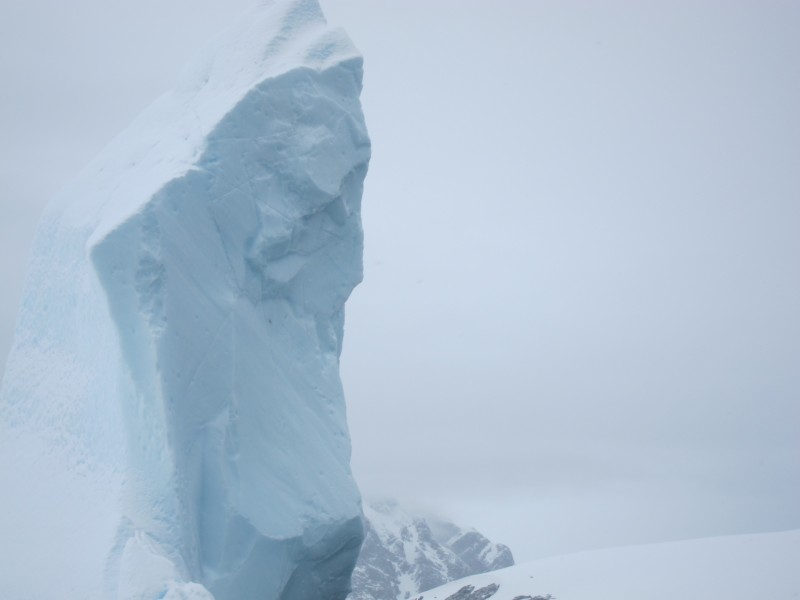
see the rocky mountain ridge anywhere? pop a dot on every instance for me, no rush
(405, 554)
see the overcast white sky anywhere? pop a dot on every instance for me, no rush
(580, 323)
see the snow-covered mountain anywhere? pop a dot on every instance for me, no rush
(740, 567)
(404, 554)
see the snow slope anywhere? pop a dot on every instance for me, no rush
(172, 423)
(741, 567)
(405, 553)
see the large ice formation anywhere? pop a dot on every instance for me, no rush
(172, 423)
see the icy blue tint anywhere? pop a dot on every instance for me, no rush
(177, 356)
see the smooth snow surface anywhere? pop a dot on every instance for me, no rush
(172, 423)
(740, 567)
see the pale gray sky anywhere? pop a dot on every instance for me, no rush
(580, 323)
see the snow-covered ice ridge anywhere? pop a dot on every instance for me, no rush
(736, 567)
(172, 422)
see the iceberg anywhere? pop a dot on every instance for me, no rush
(172, 421)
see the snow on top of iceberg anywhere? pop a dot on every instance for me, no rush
(167, 139)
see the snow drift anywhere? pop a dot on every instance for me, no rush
(736, 567)
(172, 423)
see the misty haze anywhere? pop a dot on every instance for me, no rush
(572, 367)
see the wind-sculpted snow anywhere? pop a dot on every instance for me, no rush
(173, 423)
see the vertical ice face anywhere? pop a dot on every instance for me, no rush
(175, 367)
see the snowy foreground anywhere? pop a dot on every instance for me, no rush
(742, 567)
(172, 422)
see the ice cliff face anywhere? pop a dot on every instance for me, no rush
(172, 423)
(404, 554)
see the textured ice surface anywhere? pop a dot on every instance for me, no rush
(172, 423)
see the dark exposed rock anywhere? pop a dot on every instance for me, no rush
(404, 555)
(479, 554)
(468, 592)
